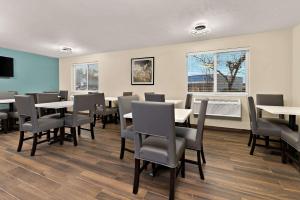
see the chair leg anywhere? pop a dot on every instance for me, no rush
(55, 133)
(253, 145)
(183, 165)
(153, 169)
(40, 135)
(34, 144)
(250, 139)
(200, 165)
(21, 139)
(73, 132)
(116, 118)
(202, 155)
(136, 176)
(62, 135)
(103, 121)
(79, 130)
(95, 117)
(189, 122)
(122, 148)
(5, 125)
(92, 131)
(172, 183)
(267, 141)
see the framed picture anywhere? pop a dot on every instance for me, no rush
(142, 71)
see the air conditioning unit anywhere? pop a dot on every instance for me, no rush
(224, 108)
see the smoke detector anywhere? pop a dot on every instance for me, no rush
(66, 50)
(199, 30)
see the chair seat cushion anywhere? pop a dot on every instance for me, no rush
(291, 137)
(266, 128)
(75, 120)
(277, 121)
(155, 149)
(3, 115)
(108, 111)
(13, 115)
(190, 135)
(44, 124)
(55, 116)
(128, 133)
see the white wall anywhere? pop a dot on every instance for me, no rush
(270, 68)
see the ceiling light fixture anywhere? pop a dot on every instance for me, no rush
(200, 30)
(66, 50)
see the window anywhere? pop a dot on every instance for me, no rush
(86, 77)
(218, 72)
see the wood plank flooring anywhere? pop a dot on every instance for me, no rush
(93, 170)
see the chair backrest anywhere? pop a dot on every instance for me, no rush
(155, 97)
(63, 95)
(127, 93)
(188, 101)
(252, 113)
(26, 109)
(125, 107)
(269, 100)
(47, 97)
(84, 102)
(201, 122)
(156, 120)
(34, 95)
(99, 100)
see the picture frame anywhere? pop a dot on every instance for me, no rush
(142, 71)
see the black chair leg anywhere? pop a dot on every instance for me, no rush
(122, 148)
(172, 183)
(253, 145)
(92, 131)
(250, 139)
(40, 134)
(200, 165)
(73, 132)
(95, 117)
(21, 139)
(136, 176)
(79, 130)
(104, 121)
(48, 135)
(202, 155)
(62, 135)
(153, 169)
(183, 165)
(267, 141)
(189, 122)
(5, 125)
(34, 144)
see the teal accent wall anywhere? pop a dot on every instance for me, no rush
(32, 73)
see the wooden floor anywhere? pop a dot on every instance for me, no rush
(93, 170)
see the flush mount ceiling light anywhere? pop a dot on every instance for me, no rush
(199, 30)
(66, 50)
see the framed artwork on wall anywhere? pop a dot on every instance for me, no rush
(142, 71)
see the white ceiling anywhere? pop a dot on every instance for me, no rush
(89, 26)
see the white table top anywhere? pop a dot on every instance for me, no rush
(55, 105)
(3, 101)
(280, 110)
(175, 102)
(180, 115)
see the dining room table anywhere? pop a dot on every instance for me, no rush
(10, 102)
(292, 112)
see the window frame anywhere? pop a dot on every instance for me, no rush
(74, 77)
(215, 90)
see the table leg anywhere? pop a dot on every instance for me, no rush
(292, 122)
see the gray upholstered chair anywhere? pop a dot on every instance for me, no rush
(154, 97)
(82, 103)
(102, 110)
(127, 131)
(127, 93)
(4, 121)
(47, 98)
(194, 137)
(156, 120)
(28, 121)
(63, 95)
(12, 110)
(260, 127)
(289, 139)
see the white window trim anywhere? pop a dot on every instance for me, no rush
(73, 78)
(215, 93)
